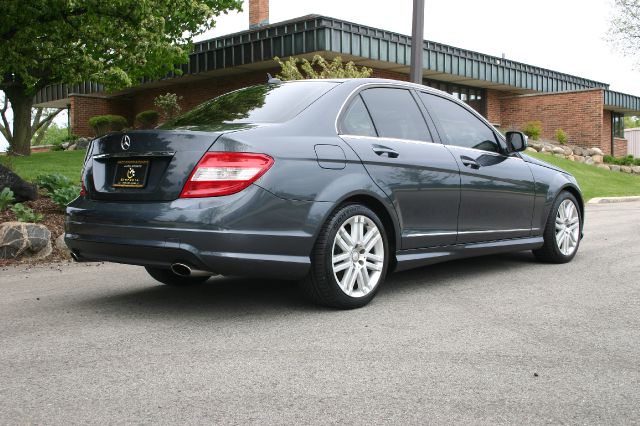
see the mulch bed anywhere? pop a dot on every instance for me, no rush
(53, 219)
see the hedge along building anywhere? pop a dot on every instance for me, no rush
(507, 93)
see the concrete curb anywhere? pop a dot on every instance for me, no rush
(606, 200)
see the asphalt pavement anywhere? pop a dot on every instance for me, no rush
(493, 340)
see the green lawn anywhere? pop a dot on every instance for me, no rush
(593, 181)
(596, 182)
(68, 163)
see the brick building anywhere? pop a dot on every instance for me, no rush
(507, 93)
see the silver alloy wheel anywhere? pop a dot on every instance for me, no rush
(358, 256)
(567, 227)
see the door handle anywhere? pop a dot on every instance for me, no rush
(469, 162)
(383, 150)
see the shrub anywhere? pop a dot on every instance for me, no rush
(147, 119)
(25, 214)
(622, 161)
(51, 182)
(6, 198)
(63, 196)
(561, 136)
(319, 67)
(102, 124)
(168, 104)
(533, 129)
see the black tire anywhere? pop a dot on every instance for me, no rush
(550, 252)
(166, 276)
(321, 285)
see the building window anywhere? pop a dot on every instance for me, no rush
(472, 96)
(617, 125)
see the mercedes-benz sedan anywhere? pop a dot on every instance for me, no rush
(334, 183)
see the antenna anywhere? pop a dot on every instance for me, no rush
(272, 80)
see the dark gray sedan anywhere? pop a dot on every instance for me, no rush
(331, 182)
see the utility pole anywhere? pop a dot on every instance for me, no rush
(417, 36)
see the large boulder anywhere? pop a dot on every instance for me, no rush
(19, 239)
(22, 191)
(595, 151)
(598, 159)
(636, 169)
(614, 168)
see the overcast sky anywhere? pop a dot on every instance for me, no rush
(562, 35)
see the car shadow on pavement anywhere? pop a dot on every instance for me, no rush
(230, 296)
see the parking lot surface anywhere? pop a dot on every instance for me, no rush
(498, 339)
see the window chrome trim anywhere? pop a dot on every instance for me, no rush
(378, 138)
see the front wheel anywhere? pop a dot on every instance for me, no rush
(562, 231)
(350, 258)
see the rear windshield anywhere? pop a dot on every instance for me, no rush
(268, 103)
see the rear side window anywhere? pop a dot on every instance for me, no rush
(460, 126)
(396, 114)
(357, 121)
(268, 103)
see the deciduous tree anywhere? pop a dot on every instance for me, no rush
(115, 42)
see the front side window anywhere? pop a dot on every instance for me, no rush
(460, 126)
(396, 114)
(356, 120)
(267, 103)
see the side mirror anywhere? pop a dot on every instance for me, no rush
(517, 141)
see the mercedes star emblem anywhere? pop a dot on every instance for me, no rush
(125, 142)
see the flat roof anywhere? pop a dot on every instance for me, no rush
(254, 49)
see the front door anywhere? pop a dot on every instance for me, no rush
(497, 189)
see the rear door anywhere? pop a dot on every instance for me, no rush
(386, 128)
(144, 165)
(498, 189)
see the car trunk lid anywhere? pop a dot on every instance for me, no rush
(144, 165)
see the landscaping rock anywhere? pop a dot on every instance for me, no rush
(82, 143)
(589, 160)
(18, 239)
(598, 159)
(568, 151)
(65, 145)
(625, 169)
(603, 166)
(595, 151)
(71, 147)
(636, 169)
(530, 149)
(22, 191)
(571, 157)
(578, 151)
(614, 168)
(558, 150)
(536, 146)
(579, 158)
(62, 247)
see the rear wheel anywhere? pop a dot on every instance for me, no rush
(562, 231)
(350, 258)
(166, 276)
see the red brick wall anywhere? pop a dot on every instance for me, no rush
(258, 12)
(85, 107)
(579, 114)
(620, 147)
(606, 132)
(494, 106)
(377, 73)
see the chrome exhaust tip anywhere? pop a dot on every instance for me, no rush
(183, 270)
(76, 257)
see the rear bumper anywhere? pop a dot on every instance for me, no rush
(253, 233)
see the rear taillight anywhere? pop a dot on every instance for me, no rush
(83, 190)
(225, 173)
